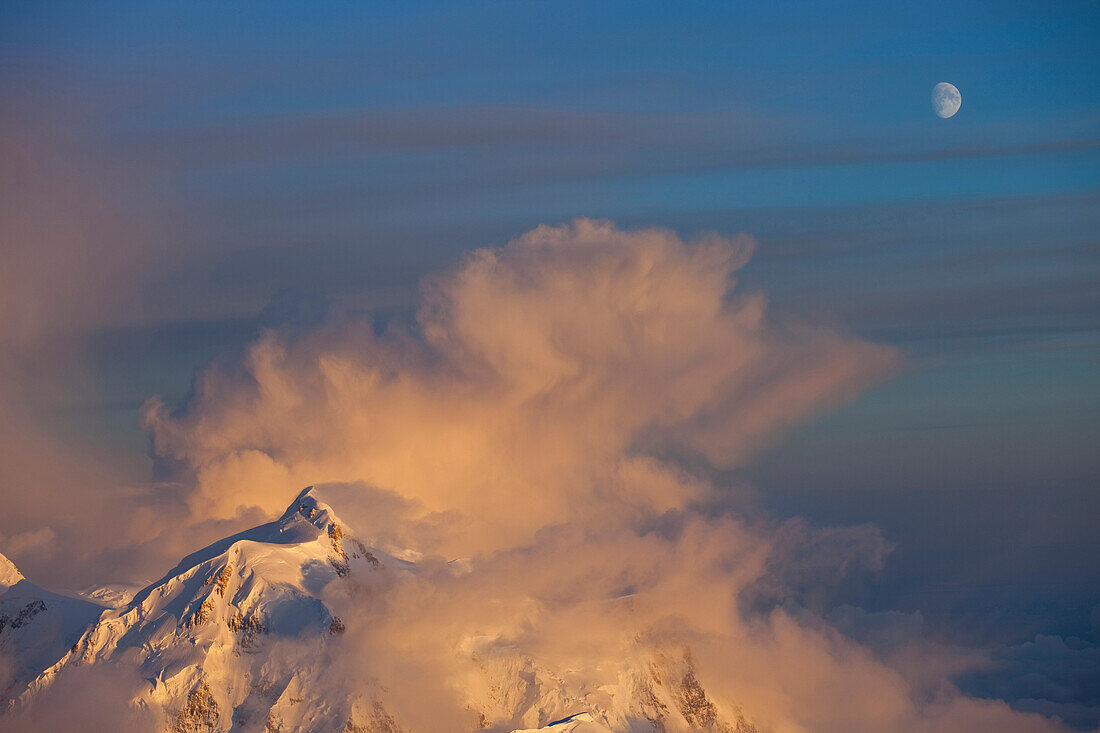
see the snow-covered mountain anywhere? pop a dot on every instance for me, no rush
(208, 636)
(241, 636)
(37, 627)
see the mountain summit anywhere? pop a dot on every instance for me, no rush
(207, 637)
(9, 574)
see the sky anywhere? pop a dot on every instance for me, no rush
(179, 177)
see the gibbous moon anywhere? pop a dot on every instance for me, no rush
(946, 99)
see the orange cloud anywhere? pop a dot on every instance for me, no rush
(545, 420)
(544, 381)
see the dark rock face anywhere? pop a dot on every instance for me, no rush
(692, 700)
(670, 696)
(339, 561)
(25, 614)
(248, 628)
(364, 552)
(377, 721)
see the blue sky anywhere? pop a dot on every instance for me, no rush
(260, 151)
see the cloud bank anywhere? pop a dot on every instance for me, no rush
(555, 417)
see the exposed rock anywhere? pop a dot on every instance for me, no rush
(248, 627)
(365, 553)
(201, 712)
(648, 705)
(340, 559)
(25, 614)
(335, 534)
(221, 579)
(377, 721)
(89, 642)
(202, 615)
(692, 700)
(669, 696)
(273, 724)
(743, 725)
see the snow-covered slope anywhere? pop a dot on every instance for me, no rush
(9, 574)
(112, 595)
(36, 627)
(231, 636)
(241, 636)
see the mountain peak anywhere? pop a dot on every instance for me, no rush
(239, 609)
(249, 632)
(9, 574)
(309, 507)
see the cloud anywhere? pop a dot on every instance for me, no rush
(806, 564)
(554, 417)
(74, 246)
(32, 539)
(580, 618)
(516, 144)
(543, 382)
(87, 698)
(1052, 675)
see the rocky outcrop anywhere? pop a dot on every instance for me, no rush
(247, 627)
(202, 615)
(221, 580)
(23, 616)
(200, 714)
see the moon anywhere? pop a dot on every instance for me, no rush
(946, 99)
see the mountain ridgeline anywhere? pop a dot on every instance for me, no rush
(243, 636)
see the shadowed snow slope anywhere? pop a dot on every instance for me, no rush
(580, 723)
(36, 627)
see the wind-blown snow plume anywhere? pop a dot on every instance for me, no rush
(540, 442)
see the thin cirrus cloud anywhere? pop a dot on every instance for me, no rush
(567, 144)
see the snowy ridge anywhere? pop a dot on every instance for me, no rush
(36, 627)
(239, 636)
(204, 635)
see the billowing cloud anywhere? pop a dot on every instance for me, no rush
(545, 381)
(1051, 675)
(606, 620)
(554, 418)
